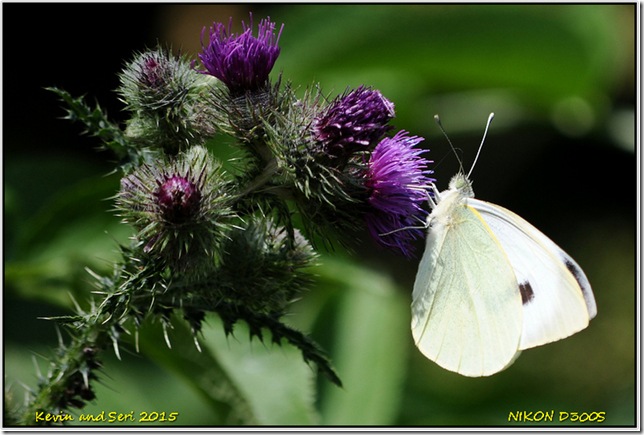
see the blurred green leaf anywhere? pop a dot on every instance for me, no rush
(244, 382)
(54, 246)
(531, 59)
(201, 370)
(369, 346)
(80, 206)
(275, 381)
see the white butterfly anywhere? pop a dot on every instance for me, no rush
(490, 285)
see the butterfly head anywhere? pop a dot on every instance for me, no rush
(462, 185)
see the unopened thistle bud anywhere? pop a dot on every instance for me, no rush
(168, 100)
(180, 209)
(154, 80)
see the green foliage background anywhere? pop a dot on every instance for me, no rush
(562, 84)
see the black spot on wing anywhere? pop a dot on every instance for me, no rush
(577, 273)
(527, 294)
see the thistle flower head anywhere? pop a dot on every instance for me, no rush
(396, 179)
(242, 62)
(353, 121)
(179, 208)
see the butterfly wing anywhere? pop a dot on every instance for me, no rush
(557, 298)
(466, 310)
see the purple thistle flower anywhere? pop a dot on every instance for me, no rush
(243, 61)
(353, 121)
(396, 179)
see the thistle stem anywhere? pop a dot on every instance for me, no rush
(267, 173)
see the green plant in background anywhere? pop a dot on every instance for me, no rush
(210, 241)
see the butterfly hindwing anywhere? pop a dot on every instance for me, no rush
(466, 311)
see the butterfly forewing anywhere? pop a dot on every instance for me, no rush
(557, 298)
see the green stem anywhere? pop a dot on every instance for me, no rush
(267, 173)
(67, 384)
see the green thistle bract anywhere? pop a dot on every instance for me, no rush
(263, 269)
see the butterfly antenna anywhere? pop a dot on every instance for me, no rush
(440, 125)
(487, 126)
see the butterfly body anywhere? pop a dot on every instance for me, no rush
(490, 285)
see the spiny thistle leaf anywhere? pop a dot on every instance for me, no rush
(98, 125)
(311, 351)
